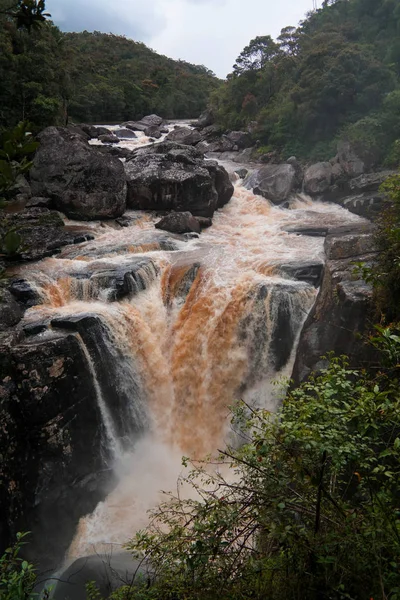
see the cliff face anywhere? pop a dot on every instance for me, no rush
(53, 468)
(342, 311)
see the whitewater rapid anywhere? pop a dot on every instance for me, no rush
(201, 333)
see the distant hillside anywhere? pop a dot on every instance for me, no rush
(47, 75)
(336, 75)
(113, 78)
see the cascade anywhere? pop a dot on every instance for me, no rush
(176, 331)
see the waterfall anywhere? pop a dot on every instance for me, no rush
(176, 331)
(112, 442)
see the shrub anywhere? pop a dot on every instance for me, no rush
(307, 508)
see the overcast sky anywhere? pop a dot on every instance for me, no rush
(208, 32)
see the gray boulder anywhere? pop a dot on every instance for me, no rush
(125, 133)
(241, 173)
(41, 231)
(342, 312)
(351, 164)
(135, 125)
(179, 222)
(110, 138)
(153, 131)
(184, 135)
(108, 572)
(10, 310)
(369, 182)
(82, 182)
(224, 144)
(93, 131)
(274, 182)
(241, 139)
(205, 119)
(170, 176)
(152, 120)
(318, 178)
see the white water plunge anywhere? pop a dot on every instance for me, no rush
(212, 320)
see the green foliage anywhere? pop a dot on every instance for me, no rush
(307, 508)
(30, 14)
(385, 274)
(335, 75)
(16, 148)
(47, 75)
(17, 576)
(113, 79)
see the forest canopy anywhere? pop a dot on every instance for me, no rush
(48, 76)
(335, 75)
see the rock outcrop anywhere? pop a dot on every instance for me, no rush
(274, 182)
(343, 307)
(170, 176)
(56, 443)
(41, 232)
(349, 161)
(81, 181)
(241, 139)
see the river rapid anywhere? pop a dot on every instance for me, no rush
(214, 319)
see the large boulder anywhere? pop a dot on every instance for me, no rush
(184, 135)
(241, 139)
(274, 182)
(94, 131)
(124, 133)
(152, 120)
(352, 164)
(179, 222)
(170, 176)
(223, 144)
(143, 124)
(135, 125)
(82, 182)
(206, 118)
(318, 178)
(110, 138)
(153, 131)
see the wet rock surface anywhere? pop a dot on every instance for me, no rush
(82, 182)
(341, 314)
(184, 135)
(179, 222)
(51, 475)
(171, 176)
(41, 232)
(274, 182)
(318, 178)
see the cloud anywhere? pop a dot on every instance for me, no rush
(137, 19)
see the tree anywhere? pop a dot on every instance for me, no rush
(256, 55)
(289, 40)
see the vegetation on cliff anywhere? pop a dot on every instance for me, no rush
(335, 76)
(47, 76)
